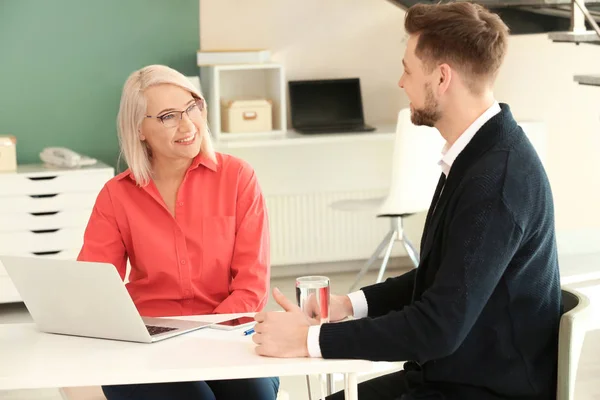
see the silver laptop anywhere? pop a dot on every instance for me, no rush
(86, 299)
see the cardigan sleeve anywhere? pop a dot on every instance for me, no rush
(391, 295)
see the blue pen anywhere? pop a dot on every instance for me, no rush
(249, 332)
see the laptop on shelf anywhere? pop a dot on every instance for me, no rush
(327, 106)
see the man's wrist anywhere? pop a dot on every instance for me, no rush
(349, 309)
(306, 353)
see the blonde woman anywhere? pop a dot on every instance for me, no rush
(192, 223)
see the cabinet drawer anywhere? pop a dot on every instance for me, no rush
(53, 182)
(38, 221)
(27, 242)
(47, 203)
(70, 254)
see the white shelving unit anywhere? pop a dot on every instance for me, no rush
(244, 81)
(384, 132)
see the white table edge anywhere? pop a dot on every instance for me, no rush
(282, 367)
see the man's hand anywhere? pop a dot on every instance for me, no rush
(282, 334)
(340, 307)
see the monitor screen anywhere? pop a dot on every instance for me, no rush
(325, 102)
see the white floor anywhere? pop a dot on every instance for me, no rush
(588, 381)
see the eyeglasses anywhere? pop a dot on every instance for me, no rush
(173, 118)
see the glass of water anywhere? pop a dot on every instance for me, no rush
(312, 296)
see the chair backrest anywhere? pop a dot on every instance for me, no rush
(573, 326)
(415, 168)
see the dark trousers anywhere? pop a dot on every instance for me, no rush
(389, 387)
(248, 389)
(386, 387)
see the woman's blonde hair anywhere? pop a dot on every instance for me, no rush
(132, 112)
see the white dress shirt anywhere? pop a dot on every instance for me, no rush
(449, 154)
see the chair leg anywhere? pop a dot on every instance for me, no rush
(576, 345)
(386, 257)
(330, 384)
(410, 249)
(308, 387)
(371, 260)
(398, 225)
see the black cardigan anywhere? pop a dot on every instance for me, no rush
(480, 315)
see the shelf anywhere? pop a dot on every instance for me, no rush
(575, 37)
(244, 81)
(226, 136)
(385, 132)
(592, 80)
(244, 67)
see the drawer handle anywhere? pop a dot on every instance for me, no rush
(46, 253)
(41, 178)
(45, 231)
(249, 115)
(42, 196)
(43, 214)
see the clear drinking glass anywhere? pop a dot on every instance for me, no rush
(312, 296)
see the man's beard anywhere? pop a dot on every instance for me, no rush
(429, 114)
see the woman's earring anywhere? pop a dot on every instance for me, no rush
(142, 138)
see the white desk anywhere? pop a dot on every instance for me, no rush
(31, 359)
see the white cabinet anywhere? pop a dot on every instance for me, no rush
(44, 212)
(243, 82)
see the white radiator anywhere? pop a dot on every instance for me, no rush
(305, 229)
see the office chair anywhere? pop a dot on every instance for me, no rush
(571, 334)
(415, 172)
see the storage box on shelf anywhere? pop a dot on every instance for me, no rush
(44, 212)
(239, 116)
(243, 82)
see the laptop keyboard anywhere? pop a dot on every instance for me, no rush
(157, 330)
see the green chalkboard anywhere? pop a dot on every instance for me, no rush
(63, 64)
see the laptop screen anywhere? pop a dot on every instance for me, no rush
(325, 102)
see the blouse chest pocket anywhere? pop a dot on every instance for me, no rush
(218, 239)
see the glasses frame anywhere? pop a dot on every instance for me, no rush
(199, 102)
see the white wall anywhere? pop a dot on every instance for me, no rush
(537, 81)
(318, 39)
(365, 38)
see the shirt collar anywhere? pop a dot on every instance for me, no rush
(200, 159)
(450, 153)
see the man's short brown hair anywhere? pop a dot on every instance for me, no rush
(464, 35)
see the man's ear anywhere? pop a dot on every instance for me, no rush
(445, 77)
